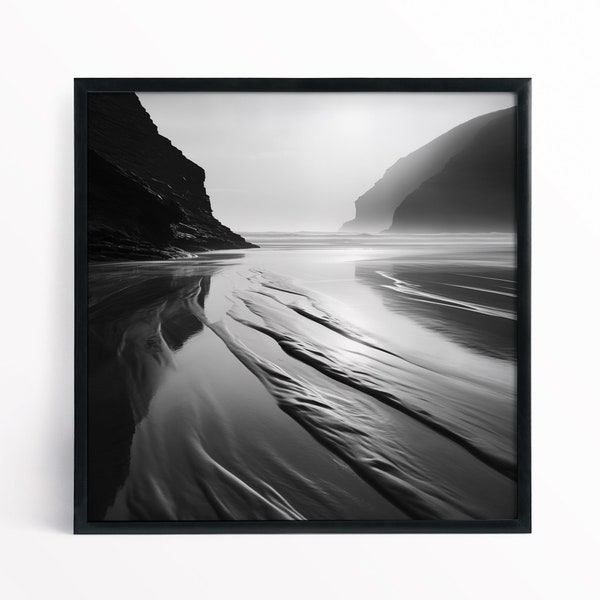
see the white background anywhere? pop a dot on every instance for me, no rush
(46, 44)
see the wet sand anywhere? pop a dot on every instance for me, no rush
(313, 378)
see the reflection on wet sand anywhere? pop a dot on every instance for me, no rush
(138, 318)
(220, 389)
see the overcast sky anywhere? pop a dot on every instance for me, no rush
(298, 161)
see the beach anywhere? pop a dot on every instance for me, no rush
(319, 376)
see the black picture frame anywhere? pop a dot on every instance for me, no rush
(521, 87)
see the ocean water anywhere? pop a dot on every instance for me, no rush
(320, 376)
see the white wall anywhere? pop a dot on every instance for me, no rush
(46, 44)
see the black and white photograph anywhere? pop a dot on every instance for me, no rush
(302, 306)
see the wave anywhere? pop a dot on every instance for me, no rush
(420, 295)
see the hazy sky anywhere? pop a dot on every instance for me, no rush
(298, 161)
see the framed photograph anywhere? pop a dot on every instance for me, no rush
(302, 305)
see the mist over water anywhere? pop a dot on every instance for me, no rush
(320, 376)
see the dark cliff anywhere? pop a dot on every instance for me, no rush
(146, 200)
(376, 209)
(476, 189)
